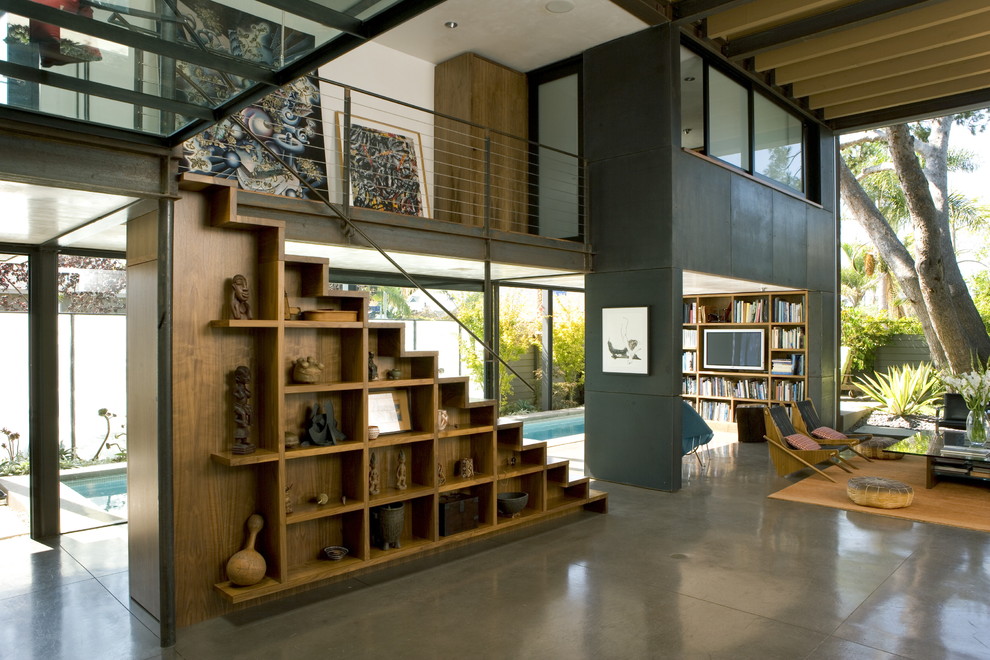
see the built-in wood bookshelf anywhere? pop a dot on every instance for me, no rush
(782, 375)
(283, 483)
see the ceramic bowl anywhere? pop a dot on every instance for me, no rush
(511, 503)
(334, 552)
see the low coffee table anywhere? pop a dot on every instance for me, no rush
(948, 455)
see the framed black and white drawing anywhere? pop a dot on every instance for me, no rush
(624, 340)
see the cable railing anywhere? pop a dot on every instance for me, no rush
(367, 151)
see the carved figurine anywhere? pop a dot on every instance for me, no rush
(307, 370)
(372, 367)
(374, 481)
(288, 499)
(242, 411)
(240, 304)
(443, 418)
(400, 472)
(441, 479)
(467, 468)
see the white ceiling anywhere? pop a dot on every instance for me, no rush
(520, 34)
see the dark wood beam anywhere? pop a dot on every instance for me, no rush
(689, 11)
(819, 25)
(651, 12)
(975, 100)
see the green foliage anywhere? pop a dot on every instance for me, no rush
(568, 355)
(519, 332)
(979, 287)
(904, 390)
(863, 333)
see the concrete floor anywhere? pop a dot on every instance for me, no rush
(713, 571)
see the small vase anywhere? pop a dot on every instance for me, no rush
(977, 426)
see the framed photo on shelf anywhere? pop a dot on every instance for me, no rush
(389, 410)
(386, 167)
(625, 349)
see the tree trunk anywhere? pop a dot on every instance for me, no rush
(952, 313)
(892, 251)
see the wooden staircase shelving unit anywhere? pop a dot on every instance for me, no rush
(291, 542)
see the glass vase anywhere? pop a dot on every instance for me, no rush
(977, 426)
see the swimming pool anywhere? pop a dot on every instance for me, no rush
(551, 428)
(106, 490)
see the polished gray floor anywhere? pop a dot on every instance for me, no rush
(713, 571)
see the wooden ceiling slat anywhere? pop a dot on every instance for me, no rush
(916, 21)
(915, 95)
(888, 49)
(926, 59)
(765, 14)
(906, 81)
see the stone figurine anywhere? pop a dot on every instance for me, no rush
(374, 480)
(400, 472)
(242, 411)
(240, 293)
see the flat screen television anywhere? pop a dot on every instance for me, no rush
(734, 349)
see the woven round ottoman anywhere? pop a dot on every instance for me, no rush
(874, 448)
(879, 492)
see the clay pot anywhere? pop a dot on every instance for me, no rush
(373, 432)
(391, 519)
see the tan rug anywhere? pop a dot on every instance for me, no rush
(955, 503)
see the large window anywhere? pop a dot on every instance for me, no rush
(729, 120)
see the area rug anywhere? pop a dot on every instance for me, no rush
(955, 503)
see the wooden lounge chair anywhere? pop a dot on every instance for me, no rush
(809, 423)
(787, 458)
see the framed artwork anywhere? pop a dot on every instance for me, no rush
(624, 340)
(387, 167)
(389, 410)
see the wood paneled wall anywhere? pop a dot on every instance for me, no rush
(486, 93)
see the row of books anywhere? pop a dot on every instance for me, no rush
(750, 388)
(788, 366)
(689, 361)
(787, 338)
(689, 338)
(788, 312)
(744, 311)
(689, 385)
(787, 391)
(718, 411)
(695, 313)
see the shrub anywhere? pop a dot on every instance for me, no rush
(864, 333)
(904, 390)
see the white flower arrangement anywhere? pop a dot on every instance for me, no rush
(974, 386)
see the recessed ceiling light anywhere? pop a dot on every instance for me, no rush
(450, 24)
(559, 6)
(689, 79)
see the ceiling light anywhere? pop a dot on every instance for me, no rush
(559, 6)
(450, 24)
(688, 78)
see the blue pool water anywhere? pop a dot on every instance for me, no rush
(555, 427)
(107, 491)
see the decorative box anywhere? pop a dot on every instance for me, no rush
(458, 513)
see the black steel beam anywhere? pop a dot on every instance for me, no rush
(689, 11)
(820, 25)
(651, 12)
(147, 43)
(91, 88)
(43, 392)
(166, 513)
(319, 13)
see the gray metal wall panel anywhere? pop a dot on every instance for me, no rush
(790, 241)
(821, 250)
(701, 215)
(752, 237)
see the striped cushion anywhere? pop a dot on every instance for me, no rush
(827, 433)
(801, 441)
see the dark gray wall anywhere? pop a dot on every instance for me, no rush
(657, 211)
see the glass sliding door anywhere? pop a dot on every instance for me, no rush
(14, 397)
(92, 391)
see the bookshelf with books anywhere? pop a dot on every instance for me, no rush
(775, 372)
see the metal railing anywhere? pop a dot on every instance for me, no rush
(366, 150)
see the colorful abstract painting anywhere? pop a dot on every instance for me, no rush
(386, 169)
